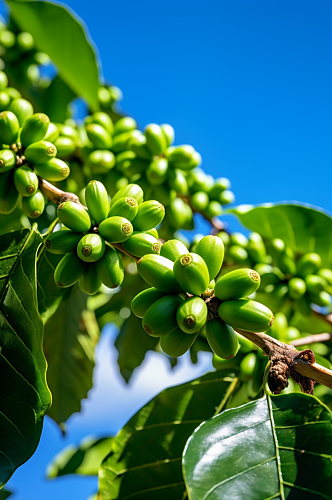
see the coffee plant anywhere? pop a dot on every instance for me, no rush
(97, 208)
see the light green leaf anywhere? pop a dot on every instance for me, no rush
(277, 447)
(84, 459)
(145, 461)
(63, 36)
(24, 395)
(304, 228)
(70, 339)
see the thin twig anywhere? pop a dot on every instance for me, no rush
(270, 345)
(311, 339)
(55, 194)
(118, 246)
(324, 317)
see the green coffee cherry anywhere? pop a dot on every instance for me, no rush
(9, 197)
(168, 132)
(160, 318)
(237, 254)
(246, 314)
(99, 136)
(140, 244)
(62, 242)
(156, 141)
(3, 80)
(177, 343)
(7, 160)
(90, 282)
(211, 249)
(277, 247)
(22, 108)
(34, 129)
(279, 328)
(132, 191)
(69, 270)
(153, 232)
(74, 216)
(200, 201)
(177, 181)
(7, 38)
(326, 274)
(309, 263)
(40, 152)
(191, 273)
(315, 284)
(124, 207)
(150, 214)
(52, 133)
(9, 128)
(4, 100)
(221, 338)
(91, 248)
(141, 303)
(322, 299)
(122, 141)
(25, 180)
(129, 165)
(25, 41)
(237, 284)
(256, 248)
(286, 262)
(156, 173)
(238, 239)
(218, 187)
(296, 288)
(116, 229)
(213, 210)
(65, 147)
(13, 94)
(33, 206)
(225, 238)
(157, 271)
(101, 161)
(102, 119)
(191, 315)
(173, 249)
(176, 213)
(249, 366)
(125, 124)
(53, 170)
(292, 334)
(110, 268)
(138, 146)
(226, 197)
(180, 154)
(97, 201)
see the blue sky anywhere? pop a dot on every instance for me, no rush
(248, 83)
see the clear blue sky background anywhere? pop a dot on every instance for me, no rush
(248, 83)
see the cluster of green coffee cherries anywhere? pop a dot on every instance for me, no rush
(23, 61)
(109, 96)
(185, 301)
(88, 237)
(287, 279)
(25, 155)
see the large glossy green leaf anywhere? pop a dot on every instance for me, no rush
(145, 461)
(277, 447)
(70, 339)
(84, 459)
(63, 36)
(304, 228)
(24, 395)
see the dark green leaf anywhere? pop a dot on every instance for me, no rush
(84, 459)
(4, 494)
(276, 447)
(145, 461)
(132, 345)
(303, 228)
(63, 37)
(49, 294)
(24, 395)
(70, 339)
(55, 99)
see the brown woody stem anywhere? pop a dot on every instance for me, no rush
(55, 194)
(311, 339)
